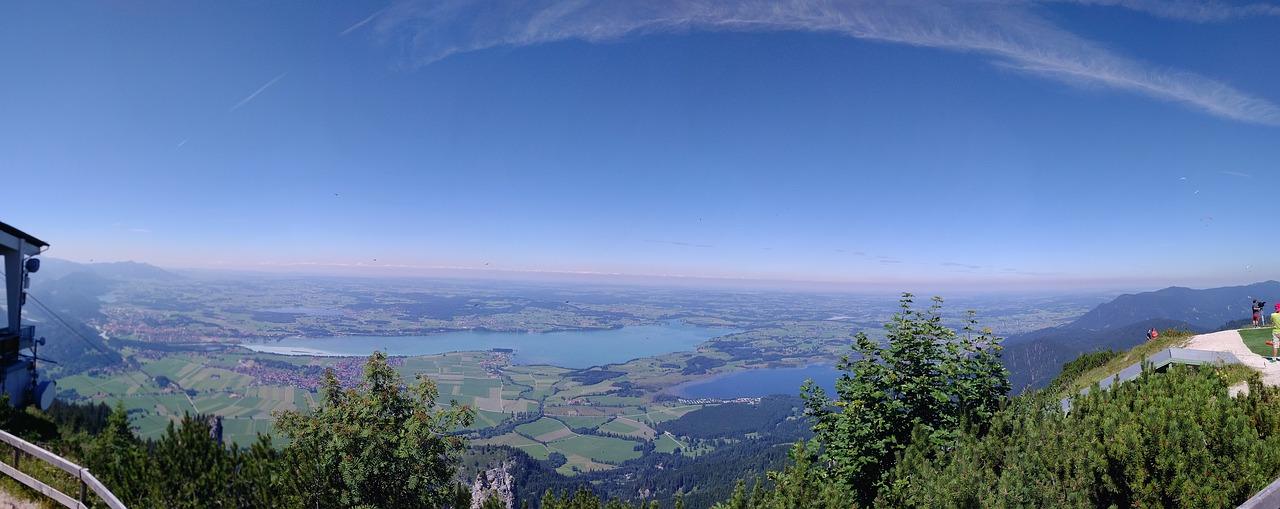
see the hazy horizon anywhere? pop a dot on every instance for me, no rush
(888, 290)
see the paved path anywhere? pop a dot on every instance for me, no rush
(1229, 341)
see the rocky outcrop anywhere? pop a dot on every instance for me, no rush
(495, 482)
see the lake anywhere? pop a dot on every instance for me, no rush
(568, 349)
(755, 383)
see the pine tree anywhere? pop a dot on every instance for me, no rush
(925, 376)
(117, 460)
(382, 444)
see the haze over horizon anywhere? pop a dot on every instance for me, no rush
(874, 144)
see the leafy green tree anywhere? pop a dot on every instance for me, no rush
(382, 444)
(926, 376)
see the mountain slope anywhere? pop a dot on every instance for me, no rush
(1035, 358)
(1201, 308)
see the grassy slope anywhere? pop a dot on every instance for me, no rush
(1253, 338)
(1167, 339)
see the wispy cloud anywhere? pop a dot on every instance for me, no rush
(1235, 174)
(1187, 10)
(1009, 32)
(677, 243)
(363, 22)
(256, 92)
(961, 265)
(123, 226)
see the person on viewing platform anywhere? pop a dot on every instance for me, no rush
(1275, 331)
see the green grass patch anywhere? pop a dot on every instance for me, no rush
(626, 428)
(478, 387)
(582, 422)
(657, 415)
(244, 432)
(1168, 339)
(150, 427)
(667, 444)
(605, 449)
(1256, 340)
(534, 449)
(540, 427)
(610, 400)
(486, 419)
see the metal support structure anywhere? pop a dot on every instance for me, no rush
(18, 371)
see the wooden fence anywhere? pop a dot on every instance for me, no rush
(87, 480)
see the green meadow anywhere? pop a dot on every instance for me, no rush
(249, 389)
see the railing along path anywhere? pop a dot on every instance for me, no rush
(87, 480)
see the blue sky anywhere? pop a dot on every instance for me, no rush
(896, 145)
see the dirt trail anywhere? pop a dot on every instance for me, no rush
(8, 501)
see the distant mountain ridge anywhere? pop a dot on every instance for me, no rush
(1206, 309)
(1035, 358)
(56, 268)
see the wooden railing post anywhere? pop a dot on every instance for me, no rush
(86, 478)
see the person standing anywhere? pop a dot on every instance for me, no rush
(1257, 311)
(1275, 332)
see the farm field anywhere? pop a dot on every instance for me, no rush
(248, 389)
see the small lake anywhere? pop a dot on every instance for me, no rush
(568, 349)
(755, 383)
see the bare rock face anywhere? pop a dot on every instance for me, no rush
(495, 482)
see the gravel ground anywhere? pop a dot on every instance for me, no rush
(1229, 341)
(8, 501)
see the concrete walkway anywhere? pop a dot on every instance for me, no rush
(1229, 341)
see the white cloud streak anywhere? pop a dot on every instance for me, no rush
(1007, 31)
(363, 22)
(1187, 10)
(255, 93)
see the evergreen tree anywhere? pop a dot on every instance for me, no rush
(925, 376)
(116, 459)
(192, 469)
(382, 444)
(1175, 439)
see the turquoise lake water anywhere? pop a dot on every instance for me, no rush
(569, 349)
